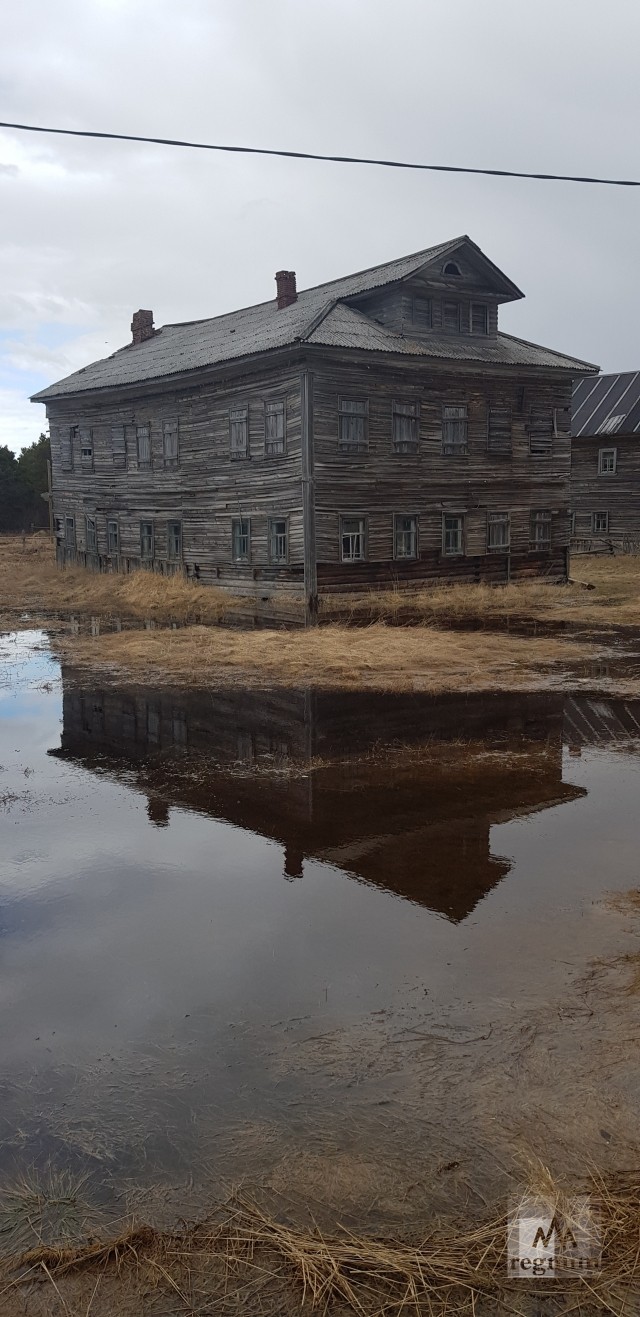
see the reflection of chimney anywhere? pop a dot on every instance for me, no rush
(142, 326)
(158, 812)
(293, 861)
(286, 286)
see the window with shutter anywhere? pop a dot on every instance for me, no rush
(113, 538)
(86, 448)
(422, 313)
(91, 536)
(170, 449)
(239, 431)
(452, 533)
(274, 428)
(541, 431)
(561, 421)
(146, 540)
(499, 440)
(143, 444)
(67, 444)
(540, 529)
(479, 318)
(70, 532)
(118, 446)
(405, 536)
(451, 317)
(353, 417)
(353, 539)
(498, 531)
(455, 430)
(405, 419)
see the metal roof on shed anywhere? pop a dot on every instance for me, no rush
(609, 404)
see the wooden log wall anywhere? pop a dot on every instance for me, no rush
(617, 494)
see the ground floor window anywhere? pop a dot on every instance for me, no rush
(353, 539)
(240, 539)
(405, 537)
(278, 539)
(113, 538)
(540, 529)
(70, 532)
(146, 539)
(174, 540)
(91, 537)
(498, 531)
(452, 533)
(600, 523)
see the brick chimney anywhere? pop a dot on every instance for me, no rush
(142, 326)
(286, 286)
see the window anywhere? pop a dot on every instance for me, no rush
(113, 538)
(86, 448)
(353, 424)
(422, 312)
(239, 431)
(118, 446)
(541, 431)
(561, 421)
(451, 317)
(607, 461)
(405, 537)
(499, 431)
(455, 427)
(274, 428)
(479, 318)
(540, 529)
(170, 447)
(405, 419)
(353, 539)
(498, 532)
(146, 539)
(67, 439)
(241, 539)
(90, 535)
(70, 532)
(143, 445)
(278, 539)
(174, 540)
(452, 268)
(452, 533)
(59, 528)
(600, 523)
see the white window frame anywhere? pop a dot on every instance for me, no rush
(404, 537)
(499, 518)
(275, 428)
(605, 454)
(347, 413)
(91, 536)
(239, 533)
(278, 540)
(405, 422)
(459, 551)
(239, 430)
(149, 539)
(540, 517)
(113, 538)
(356, 536)
(599, 530)
(457, 422)
(174, 543)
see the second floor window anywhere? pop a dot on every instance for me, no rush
(405, 537)
(541, 431)
(174, 540)
(353, 432)
(274, 428)
(90, 535)
(170, 451)
(146, 539)
(498, 531)
(607, 461)
(86, 448)
(239, 431)
(67, 442)
(499, 431)
(452, 533)
(455, 430)
(143, 443)
(540, 529)
(118, 445)
(240, 539)
(278, 539)
(353, 539)
(405, 421)
(113, 538)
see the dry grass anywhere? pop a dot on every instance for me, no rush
(243, 1259)
(331, 657)
(31, 581)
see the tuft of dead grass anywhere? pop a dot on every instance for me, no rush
(331, 657)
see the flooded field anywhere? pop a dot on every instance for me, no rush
(359, 953)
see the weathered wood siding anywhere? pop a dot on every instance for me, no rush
(380, 482)
(617, 494)
(205, 490)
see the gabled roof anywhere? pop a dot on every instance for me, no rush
(320, 316)
(607, 405)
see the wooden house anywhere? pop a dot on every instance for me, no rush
(377, 430)
(605, 463)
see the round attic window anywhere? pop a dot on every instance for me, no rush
(452, 268)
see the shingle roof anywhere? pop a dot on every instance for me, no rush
(319, 316)
(609, 404)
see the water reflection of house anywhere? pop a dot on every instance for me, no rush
(337, 777)
(593, 722)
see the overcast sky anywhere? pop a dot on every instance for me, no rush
(90, 231)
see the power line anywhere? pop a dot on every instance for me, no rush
(312, 155)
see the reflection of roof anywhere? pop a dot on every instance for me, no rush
(606, 405)
(318, 317)
(601, 722)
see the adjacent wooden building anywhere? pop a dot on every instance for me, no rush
(377, 430)
(605, 463)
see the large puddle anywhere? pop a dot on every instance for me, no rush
(355, 951)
